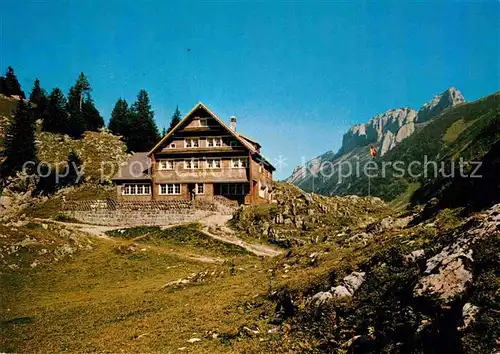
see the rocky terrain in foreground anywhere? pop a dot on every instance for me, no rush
(354, 276)
(383, 282)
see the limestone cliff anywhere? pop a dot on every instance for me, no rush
(384, 130)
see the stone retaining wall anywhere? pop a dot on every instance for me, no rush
(124, 217)
(133, 213)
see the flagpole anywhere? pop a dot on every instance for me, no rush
(369, 184)
(373, 153)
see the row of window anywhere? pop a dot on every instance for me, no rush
(136, 189)
(210, 142)
(163, 189)
(239, 162)
(171, 188)
(234, 188)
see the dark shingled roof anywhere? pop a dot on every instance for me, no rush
(136, 168)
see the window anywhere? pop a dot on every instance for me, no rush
(234, 143)
(239, 162)
(166, 164)
(203, 122)
(172, 146)
(262, 190)
(192, 164)
(199, 188)
(170, 189)
(136, 189)
(234, 188)
(213, 163)
(191, 143)
(211, 142)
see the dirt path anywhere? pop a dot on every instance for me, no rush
(215, 221)
(100, 232)
(227, 235)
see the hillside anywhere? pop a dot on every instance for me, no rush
(101, 154)
(355, 277)
(467, 130)
(7, 107)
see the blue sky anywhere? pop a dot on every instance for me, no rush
(297, 75)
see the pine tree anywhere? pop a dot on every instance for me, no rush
(3, 89)
(121, 116)
(38, 97)
(55, 116)
(12, 85)
(76, 124)
(176, 118)
(92, 117)
(20, 146)
(83, 113)
(143, 130)
(164, 132)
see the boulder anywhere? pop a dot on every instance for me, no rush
(469, 313)
(414, 256)
(448, 273)
(320, 298)
(349, 284)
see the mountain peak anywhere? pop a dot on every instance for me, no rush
(449, 98)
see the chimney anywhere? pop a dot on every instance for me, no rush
(233, 123)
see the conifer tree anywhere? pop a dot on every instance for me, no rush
(143, 130)
(38, 97)
(20, 144)
(83, 113)
(12, 85)
(164, 132)
(2, 86)
(176, 118)
(92, 117)
(121, 116)
(55, 116)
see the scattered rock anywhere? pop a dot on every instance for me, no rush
(469, 313)
(349, 284)
(320, 298)
(414, 256)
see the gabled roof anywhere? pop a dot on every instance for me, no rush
(246, 142)
(252, 141)
(136, 168)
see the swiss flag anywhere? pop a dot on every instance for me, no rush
(373, 150)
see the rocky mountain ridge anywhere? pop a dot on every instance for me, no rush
(393, 126)
(386, 130)
(460, 129)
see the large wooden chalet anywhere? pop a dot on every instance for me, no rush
(200, 158)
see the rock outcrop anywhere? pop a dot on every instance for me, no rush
(448, 273)
(449, 98)
(384, 129)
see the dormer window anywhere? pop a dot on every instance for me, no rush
(203, 122)
(191, 143)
